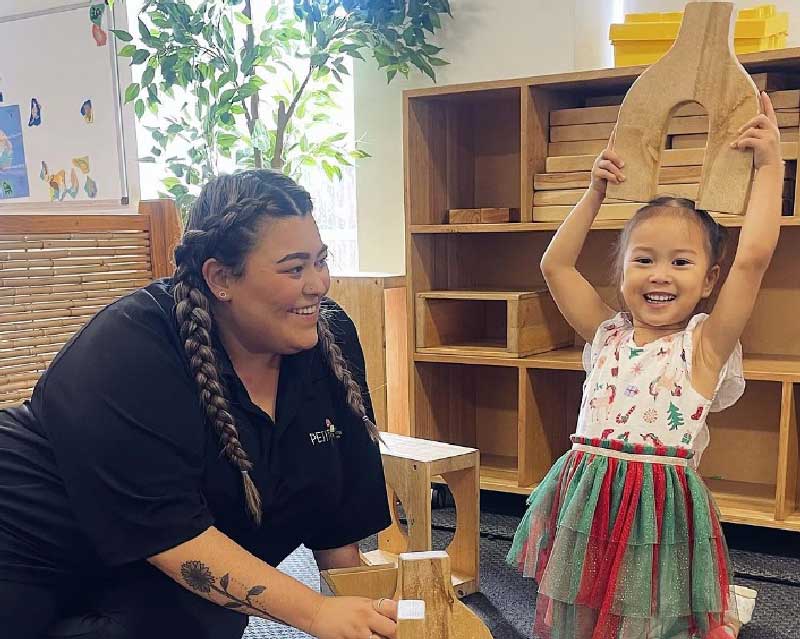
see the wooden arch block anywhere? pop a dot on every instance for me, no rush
(422, 583)
(426, 576)
(700, 67)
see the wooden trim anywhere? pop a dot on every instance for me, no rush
(618, 76)
(788, 452)
(165, 234)
(34, 224)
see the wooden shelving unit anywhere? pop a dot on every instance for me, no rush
(480, 146)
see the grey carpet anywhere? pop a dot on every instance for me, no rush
(506, 600)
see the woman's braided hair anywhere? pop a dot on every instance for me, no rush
(224, 224)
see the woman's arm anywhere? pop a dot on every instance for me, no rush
(216, 568)
(757, 241)
(576, 298)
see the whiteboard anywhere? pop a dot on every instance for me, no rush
(78, 141)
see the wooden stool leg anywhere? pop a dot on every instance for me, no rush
(393, 539)
(464, 549)
(411, 481)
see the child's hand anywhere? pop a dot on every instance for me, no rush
(762, 135)
(607, 167)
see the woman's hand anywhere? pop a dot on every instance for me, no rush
(607, 167)
(762, 135)
(355, 618)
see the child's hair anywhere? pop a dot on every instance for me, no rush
(716, 234)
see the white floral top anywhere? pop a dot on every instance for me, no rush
(643, 395)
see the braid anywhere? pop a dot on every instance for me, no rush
(355, 400)
(194, 318)
(224, 224)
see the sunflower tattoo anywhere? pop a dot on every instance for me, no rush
(198, 577)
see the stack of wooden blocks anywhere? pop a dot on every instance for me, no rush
(578, 135)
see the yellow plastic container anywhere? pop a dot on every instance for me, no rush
(644, 37)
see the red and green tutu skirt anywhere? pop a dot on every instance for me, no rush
(625, 542)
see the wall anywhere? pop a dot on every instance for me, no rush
(486, 40)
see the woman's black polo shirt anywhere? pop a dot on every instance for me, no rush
(116, 429)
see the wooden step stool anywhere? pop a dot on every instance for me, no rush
(410, 465)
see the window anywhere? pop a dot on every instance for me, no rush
(334, 201)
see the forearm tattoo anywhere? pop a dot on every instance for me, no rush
(199, 577)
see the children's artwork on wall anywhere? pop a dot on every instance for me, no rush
(36, 113)
(96, 16)
(90, 187)
(13, 170)
(86, 111)
(73, 123)
(74, 185)
(57, 183)
(100, 36)
(82, 163)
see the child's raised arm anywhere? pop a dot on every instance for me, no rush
(757, 240)
(576, 298)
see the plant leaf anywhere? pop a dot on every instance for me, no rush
(131, 92)
(122, 35)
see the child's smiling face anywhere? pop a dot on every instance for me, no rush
(667, 270)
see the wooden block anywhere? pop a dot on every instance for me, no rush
(426, 577)
(586, 115)
(575, 148)
(700, 62)
(699, 124)
(581, 179)
(677, 126)
(490, 323)
(572, 196)
(699, 140)
(596, 115)
(786, 99)
(782, 101)
(482, 216)
(621, 211)
(669, 157)
(580, 132)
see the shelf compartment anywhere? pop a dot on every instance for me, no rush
(462, 152)
(549, 403)
(744, 502)
(748, 430)
(475, 406)
(490, 323)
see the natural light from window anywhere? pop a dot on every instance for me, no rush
(334, 200)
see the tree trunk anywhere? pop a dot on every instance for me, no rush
(254, 99)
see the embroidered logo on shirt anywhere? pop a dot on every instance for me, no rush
(329, 434)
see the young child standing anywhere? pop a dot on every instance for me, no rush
(622, 535)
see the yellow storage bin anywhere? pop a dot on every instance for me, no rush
(644, 37)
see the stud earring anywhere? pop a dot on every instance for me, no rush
(223, 294)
